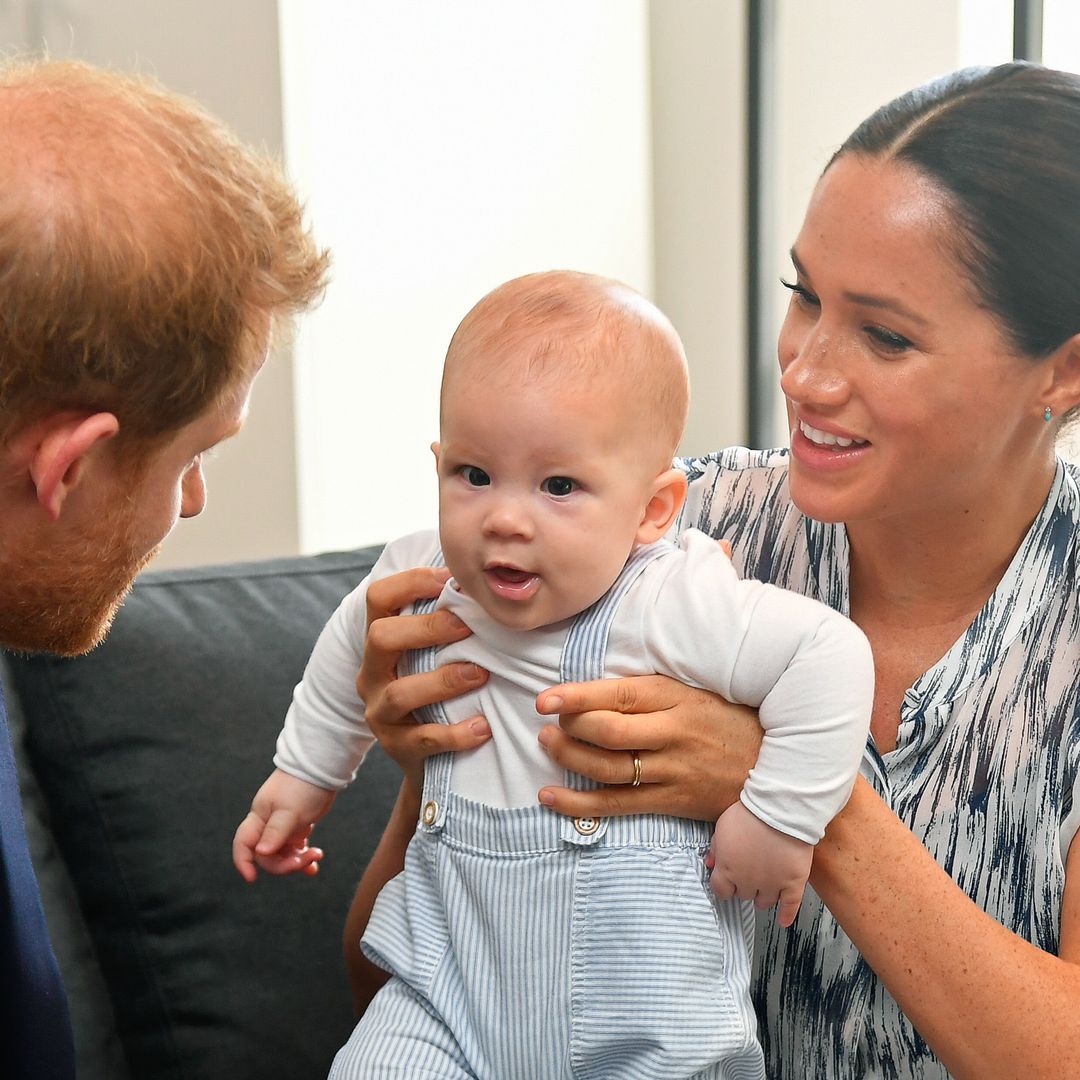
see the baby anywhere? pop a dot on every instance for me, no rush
(520, 943)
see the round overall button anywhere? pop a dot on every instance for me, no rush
(430, 812)
(587, 825)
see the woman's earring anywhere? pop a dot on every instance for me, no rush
(1047, 413)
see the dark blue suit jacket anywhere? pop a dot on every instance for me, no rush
(35, 1028)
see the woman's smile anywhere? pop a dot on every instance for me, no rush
(825, 438)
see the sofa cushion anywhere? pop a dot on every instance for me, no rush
(148, 751)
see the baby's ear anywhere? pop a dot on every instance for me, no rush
(436, 449)
(668, 493)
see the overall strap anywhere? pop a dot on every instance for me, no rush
(437, 767)
(583, 660)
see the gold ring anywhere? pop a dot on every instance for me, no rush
(636, 782)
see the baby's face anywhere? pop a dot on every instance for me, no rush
(542, 488)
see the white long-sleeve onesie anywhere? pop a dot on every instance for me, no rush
(806, 668)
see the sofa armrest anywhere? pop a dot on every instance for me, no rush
(148, 751)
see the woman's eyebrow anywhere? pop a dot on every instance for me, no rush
(883, 303)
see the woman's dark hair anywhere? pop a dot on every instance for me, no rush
(1004, 144)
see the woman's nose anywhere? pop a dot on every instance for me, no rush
(812, 368)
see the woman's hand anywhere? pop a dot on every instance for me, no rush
(390, 700)
(695, 748)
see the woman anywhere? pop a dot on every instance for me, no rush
(930, 355)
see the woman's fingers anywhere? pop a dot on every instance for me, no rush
(695, 748)
(389, 595)
(423, 740)
(389, 636)
(619, 800)
(396, 633)
(641, 694)
(608, 764)
(389, 699)
(393, 702)
(389, 633)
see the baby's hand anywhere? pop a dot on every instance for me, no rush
(274, 835)
(753, 861)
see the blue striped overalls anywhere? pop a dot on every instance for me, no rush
(530, 946)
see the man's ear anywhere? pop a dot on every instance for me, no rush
(668, 493)
(59, 451)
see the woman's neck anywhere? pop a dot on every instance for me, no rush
(942, 565)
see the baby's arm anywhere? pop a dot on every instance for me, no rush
(325, 736)
(274, 835)
(817, 673)
(810, 673)
(320, 746)
(754, 861)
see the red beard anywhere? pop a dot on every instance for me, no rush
(60, 595)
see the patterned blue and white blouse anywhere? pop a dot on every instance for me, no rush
(984, 771)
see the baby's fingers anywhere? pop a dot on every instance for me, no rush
(723, 886)
(281, 827)
(790, 899)
(243, 846)
(303, 860)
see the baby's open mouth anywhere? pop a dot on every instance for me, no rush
(511, 582)
(510, 574)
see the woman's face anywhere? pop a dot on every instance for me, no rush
(904, 396)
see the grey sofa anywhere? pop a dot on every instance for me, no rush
(137, 762)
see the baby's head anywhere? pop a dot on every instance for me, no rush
(564, 397)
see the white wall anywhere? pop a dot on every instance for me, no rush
(835, 62)
(446, 146)
(226, 56)
(442, 149)
(698, 50)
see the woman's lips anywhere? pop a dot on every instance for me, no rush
(819, 449)
(821, 437)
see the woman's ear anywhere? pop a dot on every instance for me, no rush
(58, 450)
(1062, 387)
(668, 493)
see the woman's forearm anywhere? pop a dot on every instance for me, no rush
(987, 1002)
(365, 978)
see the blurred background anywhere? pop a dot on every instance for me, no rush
(441, 148)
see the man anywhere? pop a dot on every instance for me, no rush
(145, 259)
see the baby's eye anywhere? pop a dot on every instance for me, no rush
(558, 486)
(474, 476)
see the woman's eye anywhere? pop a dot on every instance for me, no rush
(888, 339)
(803, 296)
(558, 486)
(474, 476)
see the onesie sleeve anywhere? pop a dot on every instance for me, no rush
(807, 669)
(325, 736)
